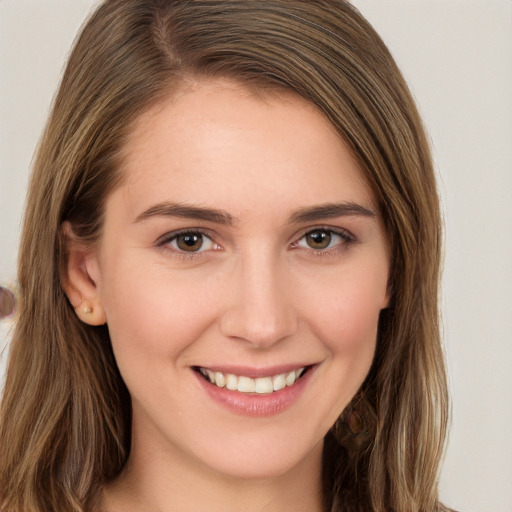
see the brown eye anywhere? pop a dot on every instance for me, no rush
(324, 239)
(191, 242)
(319, 239)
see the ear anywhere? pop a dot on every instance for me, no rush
(77, 278)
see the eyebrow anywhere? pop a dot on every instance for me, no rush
(186, 212)
(307, 214)
(330, 211)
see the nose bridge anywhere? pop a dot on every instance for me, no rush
(259, 311)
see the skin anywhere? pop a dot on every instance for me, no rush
(256, 295)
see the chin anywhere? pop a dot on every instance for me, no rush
(263, 460)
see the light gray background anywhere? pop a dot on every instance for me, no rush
(457, 57)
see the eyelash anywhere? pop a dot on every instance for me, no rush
(164, 241)
(346, 240)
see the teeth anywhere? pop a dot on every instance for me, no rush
(279, 382)
(246, 385)
(220, 379)
(290, 378)
(231, 382)
(260, 385)
(264, 385)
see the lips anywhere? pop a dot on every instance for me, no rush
(263, 385)
(255, 392)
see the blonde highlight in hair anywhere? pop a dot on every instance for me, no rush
(65, 413)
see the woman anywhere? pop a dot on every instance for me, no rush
(228, 272)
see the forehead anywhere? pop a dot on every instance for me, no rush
(219, 135)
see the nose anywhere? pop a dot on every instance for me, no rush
(259, 310)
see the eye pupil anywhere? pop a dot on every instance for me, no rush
(318, 239)
(189, 241)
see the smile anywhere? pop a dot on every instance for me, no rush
(244, 384)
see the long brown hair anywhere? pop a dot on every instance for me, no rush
(65, 413)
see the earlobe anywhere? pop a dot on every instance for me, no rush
(91, 315)
(80, 288)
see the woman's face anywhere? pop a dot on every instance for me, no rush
(243, 247)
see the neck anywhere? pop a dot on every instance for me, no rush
(156, 483)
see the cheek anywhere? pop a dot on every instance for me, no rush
(346, 308)
(346, 320)
(350, 334)
(154, 314)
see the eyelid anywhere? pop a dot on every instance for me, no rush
(164, 241)
(346, 236)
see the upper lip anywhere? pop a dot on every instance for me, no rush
(254, 372)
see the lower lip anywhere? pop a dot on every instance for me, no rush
(255, 404)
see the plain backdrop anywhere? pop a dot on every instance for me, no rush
(457, 58)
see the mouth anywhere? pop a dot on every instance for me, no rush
(264, 385)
